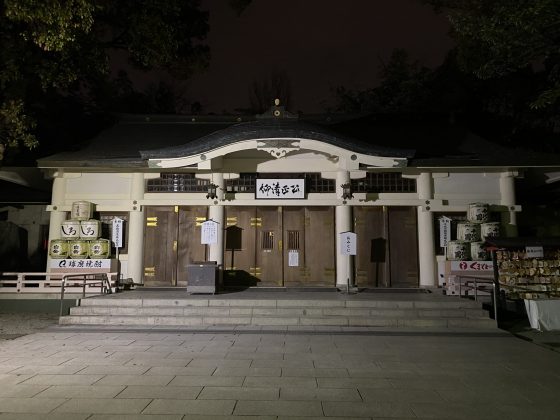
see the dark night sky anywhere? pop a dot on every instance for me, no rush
(319, 44)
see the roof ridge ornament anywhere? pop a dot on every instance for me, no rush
(276, 111)
(278, 148)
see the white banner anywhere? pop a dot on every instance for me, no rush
(280, 189)
(81, 263)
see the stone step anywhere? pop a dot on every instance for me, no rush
(446, 303)
(367, 312)
(134, 320)
(335, 310)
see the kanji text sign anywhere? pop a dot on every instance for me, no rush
(80, 263)
(209, 232)
(280, 189)
(117, 232)
(348, 243)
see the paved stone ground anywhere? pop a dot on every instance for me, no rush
(171, 374)
(13, 325)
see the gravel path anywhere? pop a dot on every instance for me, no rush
(13, 325)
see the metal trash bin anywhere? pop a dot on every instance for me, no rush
(202, 277)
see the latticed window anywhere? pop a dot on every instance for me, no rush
(293, 240)
(384, 182)
(267, 239)
(316, 184)
(172, 182)
(246, 183)
(374, 182)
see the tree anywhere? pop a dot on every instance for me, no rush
(55, 47)
(262, 93)
(403, 88)
(498, 38)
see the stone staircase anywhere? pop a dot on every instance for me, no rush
(340, 311)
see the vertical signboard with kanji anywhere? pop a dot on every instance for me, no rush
(444, 231)
(209, 232)
(348, 243)
(117, 232)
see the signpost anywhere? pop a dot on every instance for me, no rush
(348, 243)
(209, 232)
(444, 232)
(117, 231)
(348, 247)
(117, 239)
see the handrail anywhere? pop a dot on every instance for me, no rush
(51, 280)
(496, 286)
(476, 280)
(101, 279)
(487, 280)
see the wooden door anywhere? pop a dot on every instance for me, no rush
(268, 257)
(239, 250)
(260, 240)
(403, 246)
(296, 273)
(189, 248)
(319, 239)
(160, 246)
(371, 262)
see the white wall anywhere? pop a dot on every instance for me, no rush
(465, 188)
(97, 186)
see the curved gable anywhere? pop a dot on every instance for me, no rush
(280, 138)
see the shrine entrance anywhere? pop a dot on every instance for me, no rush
(263, 246)
(283, 246)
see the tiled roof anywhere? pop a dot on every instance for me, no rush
(425, 142)
(273, 128)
